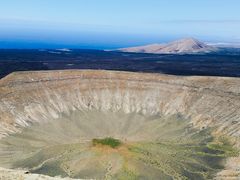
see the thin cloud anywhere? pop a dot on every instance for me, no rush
(202, 21)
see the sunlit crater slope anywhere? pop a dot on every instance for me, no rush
(119, 125)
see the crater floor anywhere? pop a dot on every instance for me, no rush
(152, 147)
(169, 127)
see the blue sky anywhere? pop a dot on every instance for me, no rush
(111, 24)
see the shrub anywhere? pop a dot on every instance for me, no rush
(107, 142)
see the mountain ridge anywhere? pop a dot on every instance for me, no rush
(182, 46)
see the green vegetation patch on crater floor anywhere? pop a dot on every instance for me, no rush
(146, 147)
(109, 141)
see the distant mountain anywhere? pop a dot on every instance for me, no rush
(183, 46)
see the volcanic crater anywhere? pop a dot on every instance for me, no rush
(119, 125)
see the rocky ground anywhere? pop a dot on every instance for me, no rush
(7, 174)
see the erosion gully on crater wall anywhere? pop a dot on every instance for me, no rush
(165, 127)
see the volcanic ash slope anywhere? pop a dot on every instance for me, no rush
(139, 109)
